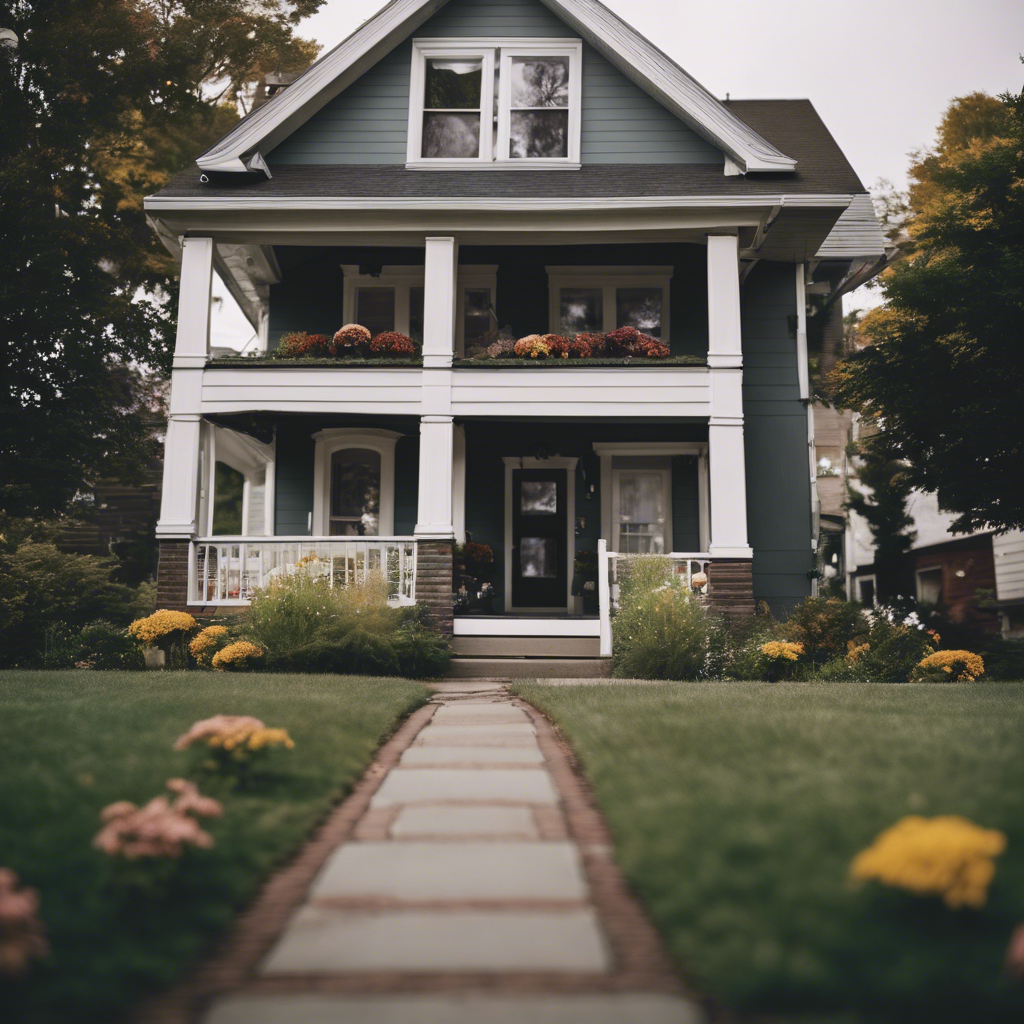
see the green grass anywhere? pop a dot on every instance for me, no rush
(76, 741)
(736, 808)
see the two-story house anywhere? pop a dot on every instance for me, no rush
(468, 170)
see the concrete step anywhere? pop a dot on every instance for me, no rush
(528, 646)
(529, 668)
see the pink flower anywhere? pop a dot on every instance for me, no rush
(21, 932)
(208, 727)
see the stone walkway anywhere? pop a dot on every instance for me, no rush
(476, 885)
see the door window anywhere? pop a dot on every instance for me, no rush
(355, 493)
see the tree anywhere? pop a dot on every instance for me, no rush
(101, 101)
(942, 375)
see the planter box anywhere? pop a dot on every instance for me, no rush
(155, 658)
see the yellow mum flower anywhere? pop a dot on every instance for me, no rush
(947, 856)
(963, 666)
(238, 655)
(782, 650)
(205, 644)
(160, 624)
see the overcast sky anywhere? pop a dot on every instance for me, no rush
(880, 75)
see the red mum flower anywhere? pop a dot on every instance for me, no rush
(391, 343)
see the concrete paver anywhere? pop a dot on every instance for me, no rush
(442, 821)
(434, 785)
(504, 941)
(436, 756)
(462, 1008)
(477, 736)
(453, 870)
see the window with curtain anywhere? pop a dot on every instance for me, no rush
(355, 493)
(642, 508)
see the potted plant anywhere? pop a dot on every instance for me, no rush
(584, 579)
(471, 579)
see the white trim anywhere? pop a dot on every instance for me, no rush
(426, 49)
(249, 201)
(609, 280)
(523, 625)
(802, 368)
(606, 450)
(246, 455)
(857, 580)
(336, 439)
(917, 581)
(513, 462)
(636, 57)
(665, 472)
(459, 483)
(571, 48)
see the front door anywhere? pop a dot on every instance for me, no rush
(540, 566)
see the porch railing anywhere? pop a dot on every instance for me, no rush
(609, 563)
(229, 570)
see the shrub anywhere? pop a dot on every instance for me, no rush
(392, 343)
(558, 347)
(102, 645)
(41, 587)
(661, 631)
(949, 667)
(747, 638)
(350, 338)
(162, 627)
(781, 659)
(304, 625)
(22, 937)
(825, 626)
(531, 347)
(241, 656)
(889, 653)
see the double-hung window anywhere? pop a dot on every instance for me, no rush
(495, 103)
(594, 299)
(391, 299)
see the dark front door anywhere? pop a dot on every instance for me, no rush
(540, 568)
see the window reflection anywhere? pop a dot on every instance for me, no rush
(355, 493)
(538, 497)
(537, 557)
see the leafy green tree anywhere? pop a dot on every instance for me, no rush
(943, 373)
(100, 102)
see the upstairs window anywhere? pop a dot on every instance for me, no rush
(594, 299)
(495, 103)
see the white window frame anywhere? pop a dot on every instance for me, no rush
(609, 280)
(404, 278)
(336, 439)
(495, 53)
(607, 450)
(665, 472)
(857, 580)
(917, 582)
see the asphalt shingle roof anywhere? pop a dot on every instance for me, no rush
(791, 125)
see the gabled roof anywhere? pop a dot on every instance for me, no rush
(245, 146)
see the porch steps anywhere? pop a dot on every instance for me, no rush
(560, 647)
(529, 668)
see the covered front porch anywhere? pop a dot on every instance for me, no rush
(542, 514)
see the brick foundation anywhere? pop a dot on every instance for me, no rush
(731, 586)
(434, 582)
(172, 575)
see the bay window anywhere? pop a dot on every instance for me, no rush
(594, 299)
(495, 103)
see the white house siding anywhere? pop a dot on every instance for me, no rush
(1008, 552)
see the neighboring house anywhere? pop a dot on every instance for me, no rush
(976, 579)
(455, 168)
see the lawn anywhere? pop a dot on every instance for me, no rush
(736, 808)
(76, 741)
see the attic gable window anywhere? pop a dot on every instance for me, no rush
(495, 103)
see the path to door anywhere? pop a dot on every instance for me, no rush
(476, 886)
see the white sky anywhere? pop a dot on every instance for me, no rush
(879, 75)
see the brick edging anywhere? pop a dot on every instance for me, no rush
(256, 928)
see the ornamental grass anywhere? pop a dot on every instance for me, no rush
(947, 856)
(22, 938)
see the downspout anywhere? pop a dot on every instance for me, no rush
(804, 383)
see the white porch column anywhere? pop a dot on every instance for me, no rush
(434, 516)
(180, 499)
(192, 346)
(440, 273)
(726, 459)
(179, 506)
